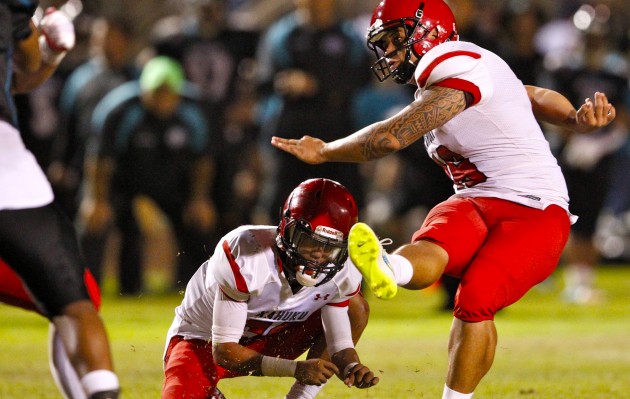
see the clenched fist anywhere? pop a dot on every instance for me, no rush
(58, 30)
(57, 35)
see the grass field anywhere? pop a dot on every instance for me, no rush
(547, 349)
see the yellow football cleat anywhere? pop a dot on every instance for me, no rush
(368, 255)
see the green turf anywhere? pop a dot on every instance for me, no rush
(547, 349)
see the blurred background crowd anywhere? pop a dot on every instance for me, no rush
(155, 130)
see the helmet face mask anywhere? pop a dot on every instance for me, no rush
(314, 255)
(415, 27)
(400, 35)
(313, 231)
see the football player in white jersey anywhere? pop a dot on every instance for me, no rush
(503, 230)
(37, 240)
(269, 294)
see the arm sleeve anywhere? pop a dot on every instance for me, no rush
(228, 319)
(337, 328)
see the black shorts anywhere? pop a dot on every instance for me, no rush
(40, 244)
(587, 192)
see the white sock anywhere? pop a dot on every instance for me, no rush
(302, 391)
(403, 271)
(450, 394)
(99, 381)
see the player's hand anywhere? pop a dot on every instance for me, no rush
(58, 30)
(594, 114)
(360, 376)
(315, 371)
(307, 149)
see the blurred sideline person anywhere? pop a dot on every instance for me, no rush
(37, 239)
(311, 63)
(111, 64)
(590, 158)
(504, 229)
(226, 89)
(270, 293)
(153, 142)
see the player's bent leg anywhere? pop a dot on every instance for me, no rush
(190, 370)
(85, 341)
(14, 292)
(57, 282)
(63, 373)
(471, 350)
(368, 255)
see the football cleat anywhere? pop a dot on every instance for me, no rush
(368, 255)
(114, 394)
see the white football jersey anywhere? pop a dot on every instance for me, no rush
(495, 148)
(24, 184)
(245, 267)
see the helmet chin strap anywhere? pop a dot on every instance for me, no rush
(404, 73)
(288, 267)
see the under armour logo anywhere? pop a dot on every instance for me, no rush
(319, 296)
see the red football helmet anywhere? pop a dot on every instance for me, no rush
(313, 231)
(418, 18)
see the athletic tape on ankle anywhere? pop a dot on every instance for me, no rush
(277, 367)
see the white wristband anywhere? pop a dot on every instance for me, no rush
(277, 367)
(348, 367)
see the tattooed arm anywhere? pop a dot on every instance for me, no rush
(434, 108)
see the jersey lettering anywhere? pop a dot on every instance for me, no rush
(283, 315)
(463, 172)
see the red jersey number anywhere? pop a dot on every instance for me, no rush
(463, 172)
